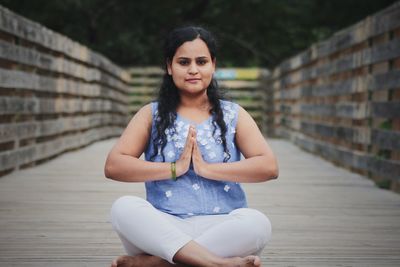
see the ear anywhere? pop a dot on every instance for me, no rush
(169, 68)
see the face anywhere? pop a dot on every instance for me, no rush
(192, 67)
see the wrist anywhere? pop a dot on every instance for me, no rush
(179, 169)
(173, 171)
(204, 170)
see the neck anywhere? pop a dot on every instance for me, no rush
(199, 101)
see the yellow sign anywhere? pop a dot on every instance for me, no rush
(238, 74)
(247, 74)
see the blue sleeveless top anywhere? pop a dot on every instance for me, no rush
(191, 194)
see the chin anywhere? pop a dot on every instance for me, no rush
(194, 91)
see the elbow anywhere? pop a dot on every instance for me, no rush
(273, 170)
(109, 170)
(271, 173)
(274, 173)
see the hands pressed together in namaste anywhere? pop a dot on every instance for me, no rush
(191, 153)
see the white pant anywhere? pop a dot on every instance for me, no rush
(144, 229)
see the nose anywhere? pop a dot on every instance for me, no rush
(193, 68)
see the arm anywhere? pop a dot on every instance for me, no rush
(123, 163)
(259, 164)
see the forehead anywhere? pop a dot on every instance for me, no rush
(193, 49)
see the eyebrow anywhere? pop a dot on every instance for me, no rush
(201, 57)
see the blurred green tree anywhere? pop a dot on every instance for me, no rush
(251, 32)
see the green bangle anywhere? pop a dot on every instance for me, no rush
(173, 170)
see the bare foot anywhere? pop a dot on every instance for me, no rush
(140, 260)
(124, 261)
(143, 260)
(249, 261)
(255, 260)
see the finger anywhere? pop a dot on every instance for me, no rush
(189, 143)
(196, 150)
(189, 134)
(194, 132)
(194, 139)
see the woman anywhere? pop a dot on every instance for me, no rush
(196, 212)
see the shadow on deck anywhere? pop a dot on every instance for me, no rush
(57, 214)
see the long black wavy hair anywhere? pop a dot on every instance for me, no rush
(168, 95)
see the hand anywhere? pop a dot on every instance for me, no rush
(183, 164)
(199, 165)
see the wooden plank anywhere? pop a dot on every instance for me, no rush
(354, 159)
(145, 90)
(257, 116)
(236, 84)
(44, 150)
(385, 109)
(34, 58)
(58, 213)
(34, 32)
(140, 99)
(386, 139)
(295, 93)
(35, 82)
(18, 105)
(383, 52)
(145, 81)
(133, 108)
(251, 94)
(333, 89)
(250, 104)
(384, 21)
(145, 71)
(345, 110)
(384, 81)
(35, 129)
(356, 135)
(367, 56)
(23, 105)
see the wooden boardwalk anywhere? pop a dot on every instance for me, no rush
(57, 214)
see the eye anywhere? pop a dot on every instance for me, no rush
(183, 62)
(202, 61)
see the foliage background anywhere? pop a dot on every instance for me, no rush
(250, 32)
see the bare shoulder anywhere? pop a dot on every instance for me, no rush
(248, 136)
(142, 118)
(244, 119)
(145, 112)
(135, 136)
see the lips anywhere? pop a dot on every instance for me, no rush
(192, 80)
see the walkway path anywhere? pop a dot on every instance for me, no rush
(56, 214)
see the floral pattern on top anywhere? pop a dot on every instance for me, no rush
(190, 194)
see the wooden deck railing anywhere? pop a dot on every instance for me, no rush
(55, 94)
(341, 98)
